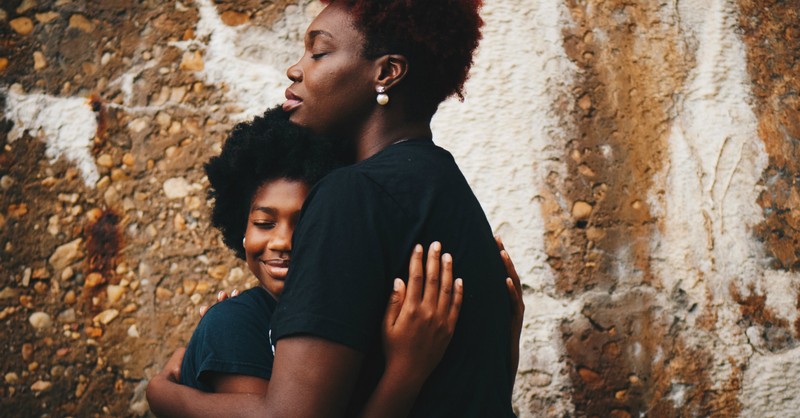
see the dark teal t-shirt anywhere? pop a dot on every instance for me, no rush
(232, 337)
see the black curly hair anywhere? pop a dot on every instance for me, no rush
(438, 37)
(267, 148)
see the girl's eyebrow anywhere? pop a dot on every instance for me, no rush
(266, 209)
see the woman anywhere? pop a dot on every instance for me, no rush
(374, 72)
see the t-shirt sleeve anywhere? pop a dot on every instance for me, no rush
(232, 338)
(339, 281)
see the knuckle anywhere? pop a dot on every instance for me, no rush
(427, 315)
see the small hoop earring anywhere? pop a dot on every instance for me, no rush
(382, 98)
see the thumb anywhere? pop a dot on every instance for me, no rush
(395, 303)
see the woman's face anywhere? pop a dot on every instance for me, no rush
(333, 85)
(270, 225)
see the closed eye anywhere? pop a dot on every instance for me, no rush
(264, 225)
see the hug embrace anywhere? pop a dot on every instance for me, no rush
(331, 331)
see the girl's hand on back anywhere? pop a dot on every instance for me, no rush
(420, 318)
(517, 305)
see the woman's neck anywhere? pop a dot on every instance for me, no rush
(383, 131)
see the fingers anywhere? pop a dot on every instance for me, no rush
(455, 307)
(173, 366)
(222, 295)
(203, 310)
(446, 286)
(395, 304)
(516, 297)
(432, 275)
(499, 242)
(512, 271)
(414, 291)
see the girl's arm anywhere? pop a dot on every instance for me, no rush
(417, 328)
(220, 373)
(168, 398)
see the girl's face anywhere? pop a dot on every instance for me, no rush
(270, 225)
(333, 85)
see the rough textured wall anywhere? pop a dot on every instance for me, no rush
(640, 160)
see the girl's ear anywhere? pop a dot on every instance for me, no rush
(392, 69)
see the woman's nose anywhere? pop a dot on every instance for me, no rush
(295, 73)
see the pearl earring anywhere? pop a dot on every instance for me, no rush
(243, 242)
(382, 98)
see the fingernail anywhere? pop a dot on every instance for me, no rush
(397, 284)
(436, 246)
(503, 254)
(459, 282)
(219, 295)
(418, 248)
(447, 257)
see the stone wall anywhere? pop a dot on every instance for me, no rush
(640, 159)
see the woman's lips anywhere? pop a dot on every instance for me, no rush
(292, 101)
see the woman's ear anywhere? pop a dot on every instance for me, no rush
(392, 69)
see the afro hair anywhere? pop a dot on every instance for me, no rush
(438, 37)
(267, 148)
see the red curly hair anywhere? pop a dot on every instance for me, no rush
(438, 37)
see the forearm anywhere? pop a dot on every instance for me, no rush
(169, 399)
(393, 397)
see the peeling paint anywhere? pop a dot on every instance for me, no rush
(67, 125)
(251, 61)
(772, 36)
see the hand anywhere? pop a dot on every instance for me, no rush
(172, 370)
(517, 304)
(221, 295)
(418, 324)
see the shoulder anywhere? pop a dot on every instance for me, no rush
(251, 306)
(355, 187)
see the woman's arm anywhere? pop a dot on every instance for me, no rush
(417, 328)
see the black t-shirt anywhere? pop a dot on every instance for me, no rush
(232, 337)
(355, 235)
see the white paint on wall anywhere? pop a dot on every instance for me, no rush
(66, 124)
(782, 289)
(771, 388)
(507, 137)
(715, 163)
(250, 60)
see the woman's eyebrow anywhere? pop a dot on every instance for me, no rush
(314, 33)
